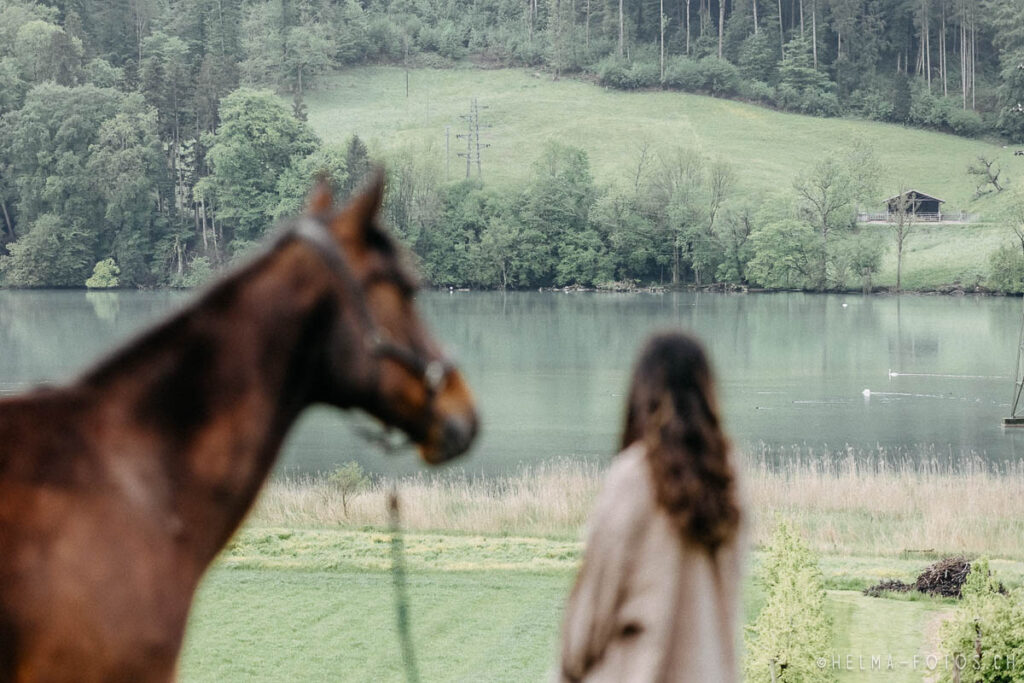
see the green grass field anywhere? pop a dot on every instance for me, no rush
(767, 148)
(525, 110)
(316, 604)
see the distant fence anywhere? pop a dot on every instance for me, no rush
(949, 217)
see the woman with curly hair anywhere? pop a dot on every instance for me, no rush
(656, 598)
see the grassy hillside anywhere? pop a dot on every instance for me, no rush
(938, 255)
(524, 110)
(767, 148)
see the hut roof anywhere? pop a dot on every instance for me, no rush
(920, 195)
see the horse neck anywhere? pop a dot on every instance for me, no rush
(196, 411)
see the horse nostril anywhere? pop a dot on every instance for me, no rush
(458, 433)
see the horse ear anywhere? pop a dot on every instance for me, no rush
(321, 199)
(366, 205)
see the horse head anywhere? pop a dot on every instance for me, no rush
(380, 356)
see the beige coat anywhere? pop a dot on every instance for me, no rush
(647, 606)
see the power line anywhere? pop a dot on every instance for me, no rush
(472, 138)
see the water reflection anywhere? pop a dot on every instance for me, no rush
(105, 304)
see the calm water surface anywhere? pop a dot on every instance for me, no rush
(550, 370)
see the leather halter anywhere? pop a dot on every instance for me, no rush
(313, 233)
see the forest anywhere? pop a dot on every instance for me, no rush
(149, 143)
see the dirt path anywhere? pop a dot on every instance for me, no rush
(932, 644)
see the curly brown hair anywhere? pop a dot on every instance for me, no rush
(673, 412)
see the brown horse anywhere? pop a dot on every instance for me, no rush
(117, 492)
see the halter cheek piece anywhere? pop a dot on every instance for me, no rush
(433, 373)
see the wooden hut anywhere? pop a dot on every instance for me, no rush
(923, 206)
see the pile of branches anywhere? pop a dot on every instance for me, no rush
(944, 578)
(888, 586)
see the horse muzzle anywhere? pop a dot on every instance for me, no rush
(454, 435)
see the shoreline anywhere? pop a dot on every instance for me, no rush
(952, 289)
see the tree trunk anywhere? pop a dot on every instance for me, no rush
(721, 25)
(622, 28)
(974, 63)
(587, 31)
(688, 27)
(814, 31)
(801, 18)
(927, 46)
(782, 33)
(823, 266)
(661, 23)
(206, 245)
(963, 58)
(532, 12)
(7, 221)
(753, 4)
(899, 263)
(942, 52)
(675, 264)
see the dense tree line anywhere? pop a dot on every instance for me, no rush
(145, 142)
(681, 221)
(130, 148)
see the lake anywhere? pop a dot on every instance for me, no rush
(550, 369)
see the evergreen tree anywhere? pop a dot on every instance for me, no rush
(793, 633)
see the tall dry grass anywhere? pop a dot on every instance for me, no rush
(549, 499)
(848, 502)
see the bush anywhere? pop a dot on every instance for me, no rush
(104, 275)
(757, 91)
(985, 637)
(515, 47)
(616, 73)
(1006, 272)
(721, 78)
(645, 74)
(787, 97)
(854, 258)
(927, 110)
(613, 72)
(197, 274)
(871, 105)
(819, 103)
(965, 122)
(682, 73)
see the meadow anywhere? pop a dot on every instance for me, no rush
(317, 604)
(304, 592)
(767, 148)
(525, 109)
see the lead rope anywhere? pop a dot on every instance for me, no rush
(433, 374)
(398, 583)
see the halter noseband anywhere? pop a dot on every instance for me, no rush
(433, 373)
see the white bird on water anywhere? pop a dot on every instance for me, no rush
(866, 393)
